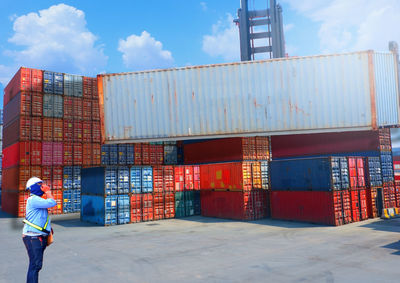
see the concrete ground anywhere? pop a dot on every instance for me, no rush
(199, 249)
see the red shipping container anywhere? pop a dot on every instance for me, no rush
(96, 132)
(37, 80)
(36, 171)
(19, 130)
(228, 176)
(157, 179)
(87, 87)
(355, 205)
(397, 192)
(256, 175)
(262, 148)
(47, 129)
(20, 105)
(356, 172)
(68, 154)
(196, 177)
(87, 131)
(58, 126)
(220, 150)
(14, 203)
(346, 203)
(158, 202)
(68, 130)
(372, 202)
(78, 127)
(58, 197)
(392, 192)
(136, 208)
(58, 154)
(47, 175)
(36, 153)
(37, 104)
(145, 153)
(95, 110)
(147, 208)
(188, 184)
(77, 153)
(168, 178)
(47, 153)
(57, 178)
(87, 154)
(386, 197)
(87, 110)
(95, 94)
(36, 124)
(324, 143)
(24, 80)
(363, 204)
(179, 178)
(309, 206)
(138, 153)
(96, 154)
(15, 178)
(234, 205)
(68, 107)
(77, 102)
(16, 154)
(169, 205)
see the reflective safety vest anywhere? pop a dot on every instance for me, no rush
(42, 229)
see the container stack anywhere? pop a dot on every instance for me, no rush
(233, 176)
(46, 115)
(1, 146)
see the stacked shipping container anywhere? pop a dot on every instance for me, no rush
(44, 135)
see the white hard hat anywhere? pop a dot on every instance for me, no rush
(32, 181)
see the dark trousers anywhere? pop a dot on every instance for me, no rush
(35, 247)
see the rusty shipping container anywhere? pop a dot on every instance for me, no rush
(329, 93)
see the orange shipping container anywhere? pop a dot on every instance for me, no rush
(262, 148)
(179, 178)
(136, 208)
(95, 110)
(58, 125)
(158, 202)
(168, 178)
(96, 154)
(15, 178)
(57, 178)
(37, 104)
(189, 185)
(77, 102)
(14, 203)
(157, 179)
(87, 110)
(46, 175)
(169, 205)
(87, 154)
(96, 132)
(36, 133)
(68, 154)
(77, 153)
(47, 131)
(68, 130)
(58, 197)
(87, 131)
(36, 153)
(78, 131)
(68, 107)
(256, 175)
(36, 171)
(235, 176)
(138, 153)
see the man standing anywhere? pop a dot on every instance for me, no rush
(37, 225)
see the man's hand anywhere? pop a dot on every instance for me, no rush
(45, 188)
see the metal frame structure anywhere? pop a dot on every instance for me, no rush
(272, 18)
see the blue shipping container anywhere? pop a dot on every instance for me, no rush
(136, 179)
(122, 154)
(99, 181)
(387, 167)
(58, 83)
(48, 82)
(123, 180)
(310, 174)
(147, 179)
(99, 209)
(170, 155)
(130, 154)
(113, 154)
(197, 203)
(124, 209)
(105, 154)
(67, 177)
(76, 177)
(71, 201)
(374, 172)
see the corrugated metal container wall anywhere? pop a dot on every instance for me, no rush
(294, 95)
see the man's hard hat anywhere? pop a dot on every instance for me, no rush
(33, 181)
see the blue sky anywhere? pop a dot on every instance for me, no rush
(90, 37)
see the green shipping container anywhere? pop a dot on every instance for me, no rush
(179, 204)
(189, 203)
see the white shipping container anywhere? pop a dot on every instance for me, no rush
(330, 93)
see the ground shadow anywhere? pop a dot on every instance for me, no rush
(394, 246)
(266, 221)
(387, 225)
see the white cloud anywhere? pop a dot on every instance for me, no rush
(352, 25)
(6, 73)
(144, 52)
(288, 27)
(204, 6)
(56, 39)
(224, 40)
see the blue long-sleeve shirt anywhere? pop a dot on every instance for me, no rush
(36, 213)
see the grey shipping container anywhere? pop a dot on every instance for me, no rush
(73, 85)
(58, 106)
(330, 93)
(48, 105)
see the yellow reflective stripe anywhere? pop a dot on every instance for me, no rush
(43, 229)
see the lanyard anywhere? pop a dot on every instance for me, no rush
(42, 229)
